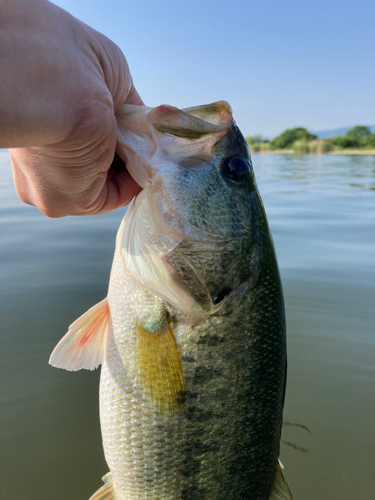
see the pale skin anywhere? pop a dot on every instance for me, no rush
(61, 83)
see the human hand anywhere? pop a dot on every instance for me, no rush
(69, 81)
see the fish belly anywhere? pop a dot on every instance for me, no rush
(224, 444)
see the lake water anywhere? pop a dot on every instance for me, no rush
(321, 210)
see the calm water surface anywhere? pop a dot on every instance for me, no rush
(321, 210)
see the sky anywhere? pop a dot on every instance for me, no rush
(280, 64)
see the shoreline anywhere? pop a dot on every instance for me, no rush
(346, 152)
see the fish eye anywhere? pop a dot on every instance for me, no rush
(236, 168)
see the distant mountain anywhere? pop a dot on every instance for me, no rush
(338, 131)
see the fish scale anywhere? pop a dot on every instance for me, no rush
(191, 337)
(209, 440)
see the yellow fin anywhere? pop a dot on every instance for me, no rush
(280, 489)
(159, 364)
(84, 344)
(106, 492)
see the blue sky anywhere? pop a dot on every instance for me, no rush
(280, 64)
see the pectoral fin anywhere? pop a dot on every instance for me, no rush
(159, 362)
(84, 344)
(106, 492)
(280, 489)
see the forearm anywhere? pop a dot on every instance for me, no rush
(41, 76)
(61, 83)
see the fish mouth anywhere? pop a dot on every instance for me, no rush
(144, 134)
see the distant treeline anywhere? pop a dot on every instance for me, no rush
(299, 140)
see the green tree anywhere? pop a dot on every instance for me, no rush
(357, 137)
(343, 142)
(359, 133)
(289, 136)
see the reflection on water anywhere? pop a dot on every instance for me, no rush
(321, 210)
(307, 173)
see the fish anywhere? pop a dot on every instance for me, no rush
(191, 337)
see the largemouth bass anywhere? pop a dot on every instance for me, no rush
(191, 337)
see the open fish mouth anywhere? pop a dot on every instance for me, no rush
(150, 137)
